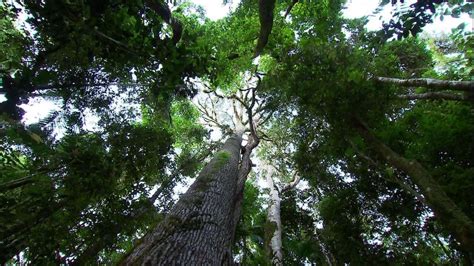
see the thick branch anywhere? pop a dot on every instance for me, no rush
(290, 7)
(265, 12)
(16, 183)
(244, 170)
(292, 184)
(430, 83)
(247, 99)
(64, 86)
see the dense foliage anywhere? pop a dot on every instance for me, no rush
(386, 169)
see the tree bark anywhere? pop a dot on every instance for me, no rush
(273, 224)
(244, 170)
(265, 12)
(198, 230)
(430, 83)
(446, 211)
(273, 230)
(290, 7)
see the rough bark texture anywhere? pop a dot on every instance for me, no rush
(198, 230)
(430, 83)
(446, 211)
(273, 224)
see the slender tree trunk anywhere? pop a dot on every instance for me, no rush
(273, 224)
(244, 170)
(430, 83)
(198, 230)
(446, 211)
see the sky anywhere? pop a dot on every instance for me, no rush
(355, 8)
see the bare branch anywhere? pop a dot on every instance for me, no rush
(208, 117)
(210, 90)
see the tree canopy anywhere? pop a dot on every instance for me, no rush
(307, 138)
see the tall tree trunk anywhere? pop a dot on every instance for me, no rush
(435, 84)
(273, 224)
(446, 211)
(198, 230)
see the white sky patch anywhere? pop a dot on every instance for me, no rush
(359, 8)
(215, 9)
(38, 108)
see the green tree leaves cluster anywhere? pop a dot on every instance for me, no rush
(364, 148)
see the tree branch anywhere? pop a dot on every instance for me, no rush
(265, 12)
(121, 45)
(292, 184)
(290, 7)
(429, 83)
